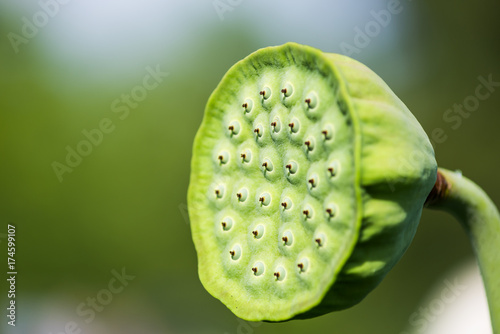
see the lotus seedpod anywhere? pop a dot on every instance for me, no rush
(298, 202)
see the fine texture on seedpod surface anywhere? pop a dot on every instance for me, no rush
(308, 179)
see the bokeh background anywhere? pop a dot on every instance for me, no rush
(124, 204)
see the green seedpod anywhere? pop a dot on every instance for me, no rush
(308, 179)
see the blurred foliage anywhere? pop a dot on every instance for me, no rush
(124, 205)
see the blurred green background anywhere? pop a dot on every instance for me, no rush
(124, 204)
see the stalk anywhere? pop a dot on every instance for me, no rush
(480, 218)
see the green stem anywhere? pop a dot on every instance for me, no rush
(481, 220)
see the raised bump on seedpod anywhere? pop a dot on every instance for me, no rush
(287, 238)
(265, 93)
(287, 90)
(235, 252)
(265, 199)
(258, 231)
(258, 268)
(242, 195)
(247, 106)
(223, 157)
(227, 223)
(303, 265)
(279, 273)
(311, 101)
(234, 128)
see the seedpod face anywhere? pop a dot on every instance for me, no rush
(308, 179)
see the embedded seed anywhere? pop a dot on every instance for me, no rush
(247, 105)
(287, 90)
(246, 156)
(276, 124)
(258, 232)
(309, 143)
(258, 268)
(242, 195)
(320, 239)
(280, 273)
(331, 210)
(327, 132)
(266, 93)
(333, 168)
(311, 101)
(312, 182)
(235, 252)
(287, 238)
(265, 199)
(219, 191)
(227, 223)
(258, 130)
(303, 265)
(294, 125)
(286, 204)
(292, 167)
(268, 165)
(223, 157)
(234, 127)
